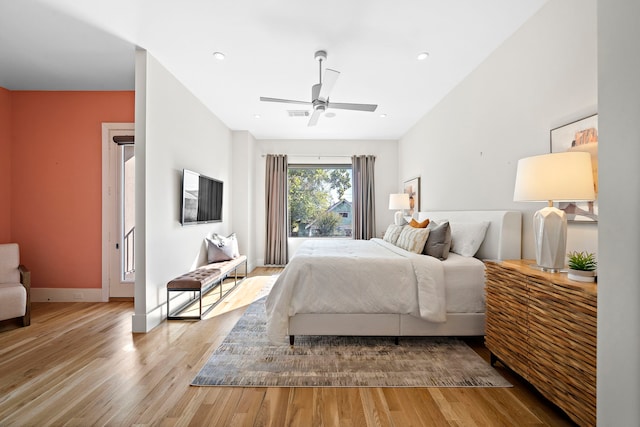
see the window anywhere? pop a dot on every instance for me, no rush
(319, 200)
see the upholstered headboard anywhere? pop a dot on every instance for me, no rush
(504, 235)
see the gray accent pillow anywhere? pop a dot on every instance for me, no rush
(215, 253)
(439, 240)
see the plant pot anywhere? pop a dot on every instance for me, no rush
(582, 276)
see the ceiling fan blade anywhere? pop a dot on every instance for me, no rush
(330, 78)
(348, 106)
(288, 101)
(314, 117)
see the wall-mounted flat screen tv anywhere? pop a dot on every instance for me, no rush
(201, 198)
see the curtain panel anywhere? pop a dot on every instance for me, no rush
(364, 200)
(276, 250)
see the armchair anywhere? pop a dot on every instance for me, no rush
(15, 285)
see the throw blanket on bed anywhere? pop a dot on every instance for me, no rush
(355, 276)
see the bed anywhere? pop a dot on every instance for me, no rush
(372, 287)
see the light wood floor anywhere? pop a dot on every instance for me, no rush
(78, 364)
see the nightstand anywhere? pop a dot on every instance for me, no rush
(543, 327)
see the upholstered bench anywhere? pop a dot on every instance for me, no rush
(202, 280)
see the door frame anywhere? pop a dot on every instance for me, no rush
(110, 199)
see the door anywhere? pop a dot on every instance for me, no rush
(118, 211)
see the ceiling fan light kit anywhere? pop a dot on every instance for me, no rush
(320, 94)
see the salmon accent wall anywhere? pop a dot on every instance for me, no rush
(56, 173)
(5, 165)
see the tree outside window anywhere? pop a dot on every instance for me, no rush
(319, 201)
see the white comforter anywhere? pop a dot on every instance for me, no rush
(355, 276)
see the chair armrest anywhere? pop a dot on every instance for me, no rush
(25, 277)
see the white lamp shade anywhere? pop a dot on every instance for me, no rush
(563, 177)
(399, 201)
(558, 176)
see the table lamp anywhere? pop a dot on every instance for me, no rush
(556, 177)
(399, 202)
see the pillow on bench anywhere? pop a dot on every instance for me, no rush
(220, 248)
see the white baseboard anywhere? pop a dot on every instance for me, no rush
(143, 323)
(66, 294)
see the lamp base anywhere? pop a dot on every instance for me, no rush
(398, 219)
(547, 270)
(550, 234)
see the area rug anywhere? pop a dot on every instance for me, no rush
(247, 359)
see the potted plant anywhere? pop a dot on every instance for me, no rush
(582, 266)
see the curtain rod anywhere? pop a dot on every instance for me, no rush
(316, 156)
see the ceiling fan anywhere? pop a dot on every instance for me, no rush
(320, 94)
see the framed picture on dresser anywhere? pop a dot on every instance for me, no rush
(580, 135)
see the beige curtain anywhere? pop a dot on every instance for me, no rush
(276, 251)
(364, 200)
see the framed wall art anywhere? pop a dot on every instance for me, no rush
(412, 188)
(581, 135)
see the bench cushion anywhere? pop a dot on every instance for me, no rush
(226, 266)
(203, 276)
(196, 279)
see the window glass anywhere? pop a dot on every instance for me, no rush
(319, 200)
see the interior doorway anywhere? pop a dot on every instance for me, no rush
(118, 211)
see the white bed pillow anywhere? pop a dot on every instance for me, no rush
(413, 239)
(466, 237)
(392, 233)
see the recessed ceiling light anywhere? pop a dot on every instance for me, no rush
(256, 116)
(384, 116)
(422, 56)
(219, 56)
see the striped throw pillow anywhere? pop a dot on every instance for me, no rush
(413, 239)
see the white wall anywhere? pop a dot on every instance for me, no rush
(243, 196)
(174, 130)
(619, 269)
(466, 149)
(308, 151)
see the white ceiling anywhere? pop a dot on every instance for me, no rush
(269, 47)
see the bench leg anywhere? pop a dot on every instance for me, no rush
(219, 281)
(168, 310)
(177, 315)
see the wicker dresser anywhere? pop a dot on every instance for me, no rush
(543, 327)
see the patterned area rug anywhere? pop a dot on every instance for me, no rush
(246, 358)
